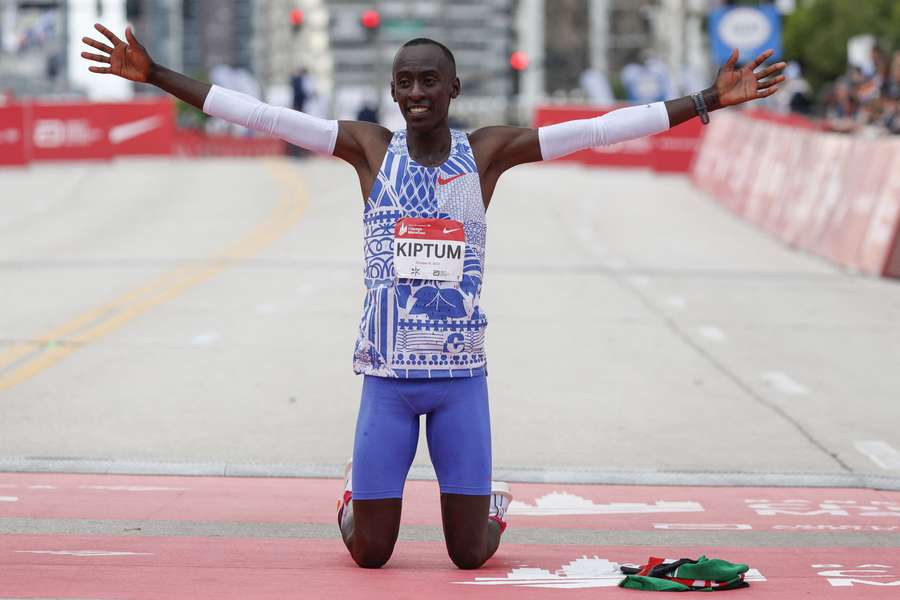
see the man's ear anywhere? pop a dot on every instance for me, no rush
(393, 91)
(455, 87)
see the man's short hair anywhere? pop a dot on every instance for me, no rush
(421, 41)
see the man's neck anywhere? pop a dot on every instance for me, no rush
(429, 148)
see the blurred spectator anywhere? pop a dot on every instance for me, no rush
(368, 113)
(300, 89)
(648, 81)
(867, 100)
(891, 87)
(796, 94)
(842, 108)
(596, 87)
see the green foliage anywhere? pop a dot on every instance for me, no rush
(816, 33)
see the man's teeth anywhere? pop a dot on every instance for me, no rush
(418, 109)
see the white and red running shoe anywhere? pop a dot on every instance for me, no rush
(344, 504)
(500, 499)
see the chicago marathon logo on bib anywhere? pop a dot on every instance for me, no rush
(429, 249)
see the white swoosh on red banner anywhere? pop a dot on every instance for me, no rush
(126, 131)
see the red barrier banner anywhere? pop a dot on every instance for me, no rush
(70, 131)
(670, 151)
(13, 138)
(141, 127)
(77, 131)
(188, 142)
(835, 195)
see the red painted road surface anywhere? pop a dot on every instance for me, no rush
(143, 567)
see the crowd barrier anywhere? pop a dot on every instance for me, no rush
(100, 131)
(834, 195)
(671, 151)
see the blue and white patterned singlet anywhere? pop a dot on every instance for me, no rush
(416, 328)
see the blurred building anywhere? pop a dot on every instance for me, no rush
(256, 36)
(607, 35)
(32, 47)
(479, 32)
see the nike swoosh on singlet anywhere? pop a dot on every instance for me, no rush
(446, 231)
(442, 181)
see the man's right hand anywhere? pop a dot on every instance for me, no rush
(130, 60)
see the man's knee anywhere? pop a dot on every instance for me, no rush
(466, 558)
(373, 556)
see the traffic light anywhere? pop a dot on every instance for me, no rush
(370, 20)
(297, 18)
(518, 60)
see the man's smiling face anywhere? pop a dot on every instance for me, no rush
(424, 81)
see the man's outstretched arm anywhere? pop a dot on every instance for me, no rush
(501, 148)
(357, 143)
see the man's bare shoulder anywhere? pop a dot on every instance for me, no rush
(503, 146)
(365, 132)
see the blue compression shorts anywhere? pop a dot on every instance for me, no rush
(387, 432)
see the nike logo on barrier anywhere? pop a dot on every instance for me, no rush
(126, 131)
(442, 181)
(446, 231)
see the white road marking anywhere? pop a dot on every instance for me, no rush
(564, 503)
(265, 309)
(8, 499)
(784, 383)
(703, 526)
(616, 264)
(881, 453)
(711, 333)
(676, 301)
(133, 488)
(206, 339)
(85, 552)
(640, 281)
(582, 572)
(41, 487)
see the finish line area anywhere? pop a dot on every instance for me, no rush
(154, 537)
(666, 381)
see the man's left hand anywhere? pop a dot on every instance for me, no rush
(736, 85)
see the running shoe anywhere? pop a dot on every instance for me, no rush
(344, 506)
(500, 499)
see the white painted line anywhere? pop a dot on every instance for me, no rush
(640, 281)
(711, 333)
(133, 488)
(564, 503)
(676, 301)
(265, 309)
(784, 383)
(8, 499)
(616, 264)
(205, 339)
(703, 526)
(41, 487)
(881, 453)
(85, 552)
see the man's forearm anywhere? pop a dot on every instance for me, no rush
(683, 109)
(181, 86)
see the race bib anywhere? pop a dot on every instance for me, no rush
(429, 249)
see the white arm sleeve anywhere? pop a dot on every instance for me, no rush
(616, 126)
(301, 129)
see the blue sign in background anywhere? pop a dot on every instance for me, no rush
(750, 29)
